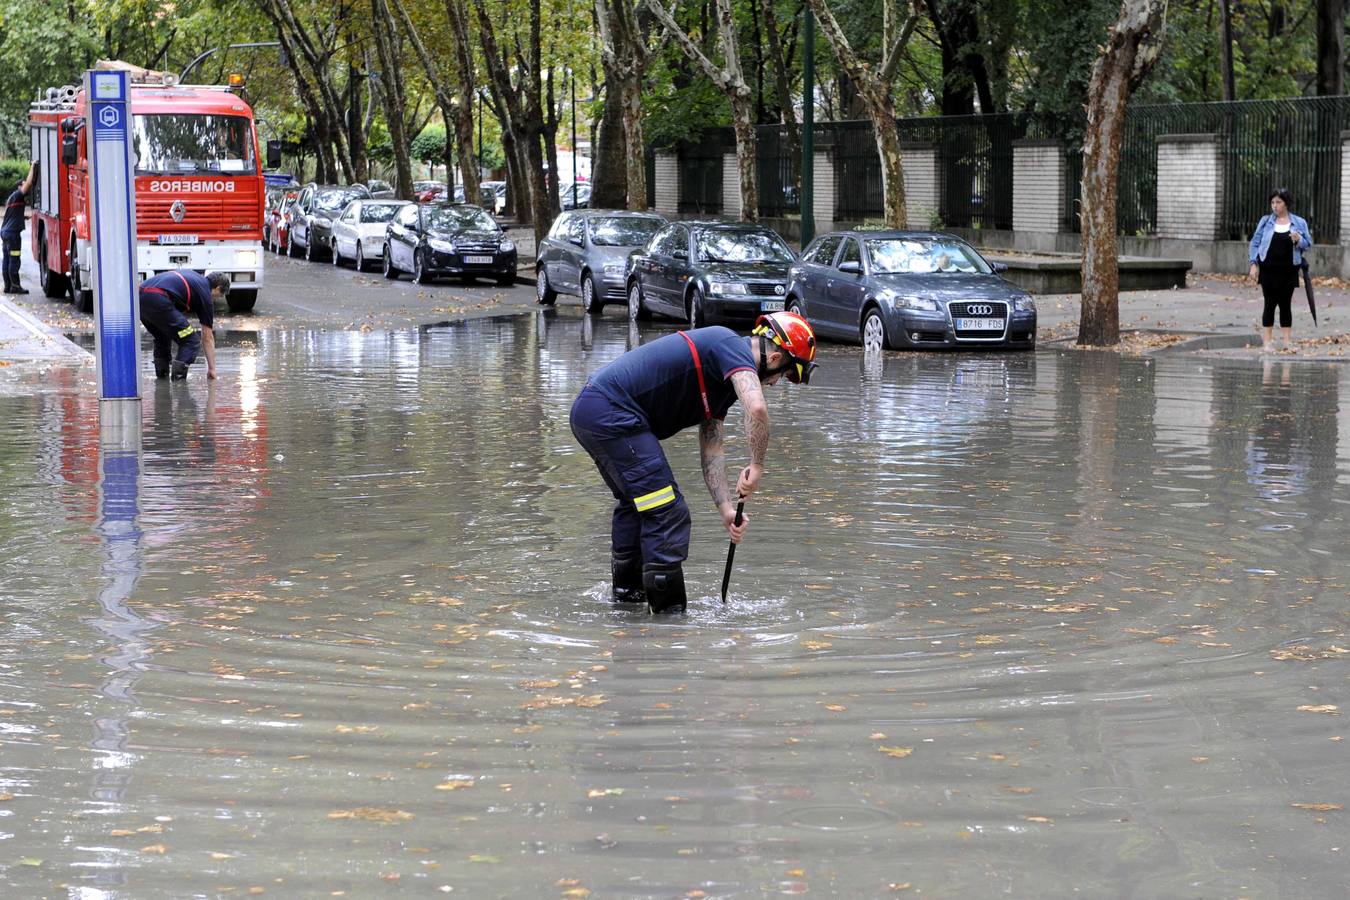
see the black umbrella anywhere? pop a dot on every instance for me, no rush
(1308, 289)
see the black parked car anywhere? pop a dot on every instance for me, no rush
(586, 253)
(708, 272)
(435, 239)
(908, 289)
(312, 219)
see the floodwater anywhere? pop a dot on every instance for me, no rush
(1038, 625)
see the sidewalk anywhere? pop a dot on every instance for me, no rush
(22, 337)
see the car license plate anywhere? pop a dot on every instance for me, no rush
(478, 260)
(177, 239)
(979, 324)
(771, 306)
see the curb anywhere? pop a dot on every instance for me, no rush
(36, 339)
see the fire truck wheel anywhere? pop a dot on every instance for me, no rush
(82, 298)
(241, 301)
(54, 284)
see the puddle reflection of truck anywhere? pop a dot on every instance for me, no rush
(199, 187)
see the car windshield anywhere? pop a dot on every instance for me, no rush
(623, 231)
(378, 212)
(741, 247)
(332, 201)
(922, 256)
(173, 144)
(451, 218)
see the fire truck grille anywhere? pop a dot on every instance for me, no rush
(200, 214)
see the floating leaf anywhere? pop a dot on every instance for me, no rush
(1325, 708)
(816, 645)
(604, 792)
(484, 858)
(897, 752)
(1041, 819)
(1318, 807)
(158, 849)
(455, 784)
(372, 814)
(29, 861)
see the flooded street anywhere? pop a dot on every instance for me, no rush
(1035, 625)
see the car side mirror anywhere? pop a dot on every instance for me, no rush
(851, 268)
(999, 267)
(274, 154)
(70, 150)
(681, 254)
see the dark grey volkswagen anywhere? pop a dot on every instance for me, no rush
(586, 253)
(707, 272)
(920, 290)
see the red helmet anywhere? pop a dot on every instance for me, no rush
(793, 335)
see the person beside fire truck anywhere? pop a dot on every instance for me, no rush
(166, 299)
(11, 231)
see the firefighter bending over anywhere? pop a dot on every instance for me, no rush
(166, 299)
(650, 393)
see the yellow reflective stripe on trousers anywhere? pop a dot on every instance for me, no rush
(186, 331)
(655, 498)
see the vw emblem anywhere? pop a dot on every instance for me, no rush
(178, 210)
(980, 309)
(778, 289)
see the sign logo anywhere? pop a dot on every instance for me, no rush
(178, 210)
(778, 289)
(192, 187)
(980, 309)
(109, 117)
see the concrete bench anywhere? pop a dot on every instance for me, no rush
(1062, 273)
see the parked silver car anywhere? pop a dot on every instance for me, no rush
(358, 233)
(586, 254)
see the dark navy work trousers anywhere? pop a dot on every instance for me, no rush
(649, 511)
(168, 326)
(12, 244)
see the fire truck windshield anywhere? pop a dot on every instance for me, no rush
(173, 144)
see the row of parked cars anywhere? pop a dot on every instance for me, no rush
(427, 240)
(884, 289)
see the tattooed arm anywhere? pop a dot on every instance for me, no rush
(751, 395)
(715, 475)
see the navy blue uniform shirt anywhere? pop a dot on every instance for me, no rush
(13, 224)
(659, 383)
(190, 292)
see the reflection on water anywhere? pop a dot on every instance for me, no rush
(1028, 624)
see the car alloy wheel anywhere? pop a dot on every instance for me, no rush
(390, 270)
(360, 258)
(588, 298)
(309, 246)
(420, 274)
(337, 257)
(874, 332)
(636, 309)
(697, 315)
(544, 294)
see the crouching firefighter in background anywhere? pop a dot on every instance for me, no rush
(650, 393)
(166, 299)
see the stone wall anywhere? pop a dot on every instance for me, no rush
(1038, 185)
(1190, 187)
(667, 184)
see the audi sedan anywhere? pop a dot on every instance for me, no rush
(918, 290)
(586, 253)
(709, 272)
(436, 239)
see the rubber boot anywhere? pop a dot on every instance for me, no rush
(177, 370)
(664, 584)
(161, 369)
(16, 288)
(627, 571)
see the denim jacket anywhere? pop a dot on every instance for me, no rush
(1265, 229)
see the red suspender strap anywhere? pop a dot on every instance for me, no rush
(698, 368)
(187, 287)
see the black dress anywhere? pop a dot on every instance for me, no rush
(1279, 278)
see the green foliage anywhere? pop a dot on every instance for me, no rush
(429, 145)
(1060, 52)
(11, 172)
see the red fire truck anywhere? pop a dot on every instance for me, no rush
(199, 187)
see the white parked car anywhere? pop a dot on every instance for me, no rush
(358, 233)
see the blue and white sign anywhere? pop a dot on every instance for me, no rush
(112, 230)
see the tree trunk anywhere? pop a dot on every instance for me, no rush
(625, 57)
(468, 162)
(782, 85)
(895, 206)
(747, 156)
(1132, 47)
(609, 183)
(635, 150)
(1330, 48)
(391, 93)
(356, 138)
(1226, 51)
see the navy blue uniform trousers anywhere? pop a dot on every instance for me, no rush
(167, 325)
(12, 244)
(649, 511)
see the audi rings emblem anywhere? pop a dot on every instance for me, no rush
(178, 210)
(778, 289)
(980, 309)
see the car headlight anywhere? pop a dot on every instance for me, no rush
(507, 246)
(245, 259)
(442, 246)
(1024, 304)
(726, 287)
(613, 268)
(925, 303)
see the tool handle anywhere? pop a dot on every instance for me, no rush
(731, 550)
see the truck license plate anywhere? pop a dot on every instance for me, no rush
(979, 324)
(478, 260)
(177, 239)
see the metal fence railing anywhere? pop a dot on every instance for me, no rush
(701, 174)
(1264, 144)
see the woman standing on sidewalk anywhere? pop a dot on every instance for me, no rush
(1276, 253)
